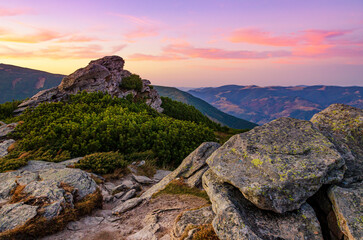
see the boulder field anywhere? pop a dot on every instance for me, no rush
(287, 179)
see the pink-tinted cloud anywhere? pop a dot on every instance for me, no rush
(256, 36)
(39, 36)
(141, 32)
(186, 51)
(134, 19)
(306, 37)
(62, 52)
(7, 12)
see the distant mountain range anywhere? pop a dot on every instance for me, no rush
(263, 104)
(204, 107)
(17, 83)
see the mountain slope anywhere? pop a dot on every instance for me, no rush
(18, 83)
(204, 107)
(263, 104)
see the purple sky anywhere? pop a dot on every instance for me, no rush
(192, 43)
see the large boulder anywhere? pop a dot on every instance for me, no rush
(238, 219)
(279, 165)
(343, 125)
(348, 208)
(105, 75)
(43, 190)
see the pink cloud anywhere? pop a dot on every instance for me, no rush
(39, 36)
(141, 32)
(256, 36)
(187, 51)
(6, 12)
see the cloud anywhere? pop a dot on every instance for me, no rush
(256, 36)
(306, 37)
(39, 36)
(62, 52)
(187, 51)
(141, 32)
(6, 12)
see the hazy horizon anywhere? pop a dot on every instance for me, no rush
(192, 43)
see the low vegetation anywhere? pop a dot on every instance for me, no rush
(95, 122)
(102, 163)
(132, 82)
(7, 109)
(178, 186)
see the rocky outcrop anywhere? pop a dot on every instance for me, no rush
(348, 208)
(42, 190)
(103, 75)
(279, 165)
(191, 170)
(237, 218)
(4, 146)
(5, 129)
(343, 125)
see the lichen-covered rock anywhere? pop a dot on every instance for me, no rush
(192, 218)
(279, 165)
(6, 129)
(7, 184)
(15, 215)
(238, 219)
(343, 125)
(348, 209)
(4, 145)
(128, 205)
(105, 75)
(193, 163)
(76, 178)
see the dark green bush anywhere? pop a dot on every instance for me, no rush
(182, 111)
(133, 82)
(102, 163)
(96, 122)
(7, 109)
(11, 164)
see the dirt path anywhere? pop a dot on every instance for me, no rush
(101, 225)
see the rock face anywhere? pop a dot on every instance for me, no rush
(348, 209)
(5, 129)
(40, 189)
(103, 75)
(4, 145)
(343, 125)
(237, 218)
(279, 165)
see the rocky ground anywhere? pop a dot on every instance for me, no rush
(287, 179)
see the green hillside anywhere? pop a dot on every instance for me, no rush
(207, 109)
(17, 83)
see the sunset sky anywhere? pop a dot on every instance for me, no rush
(191, 43)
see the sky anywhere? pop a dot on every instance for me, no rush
(192, 43)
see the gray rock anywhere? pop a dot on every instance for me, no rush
(104, 74)
(126, 206)
(76, 178)
(119, 195)
(196, 179)
(142, 179)
(141, 163)
(15, 215)
(130, 194)
(125, 185)
(71, 162)
(348, 209)
(53, 210)
(190, 165)
(4, 145)
(37, 166)
(160, 174)
(237, 218)
(7, 184)
(343, 125)
(6, 129)
(46, 189)
(197, 217)
(279, 165)
(26, 177)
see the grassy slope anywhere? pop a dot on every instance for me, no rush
(204, 107)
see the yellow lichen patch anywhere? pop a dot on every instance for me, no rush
(257, 162)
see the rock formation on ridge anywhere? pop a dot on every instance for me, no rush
(105, 75)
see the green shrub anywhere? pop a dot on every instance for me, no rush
(7, 109)
(132, 82)
(11, 164)
(102, 163)
(96, 122)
